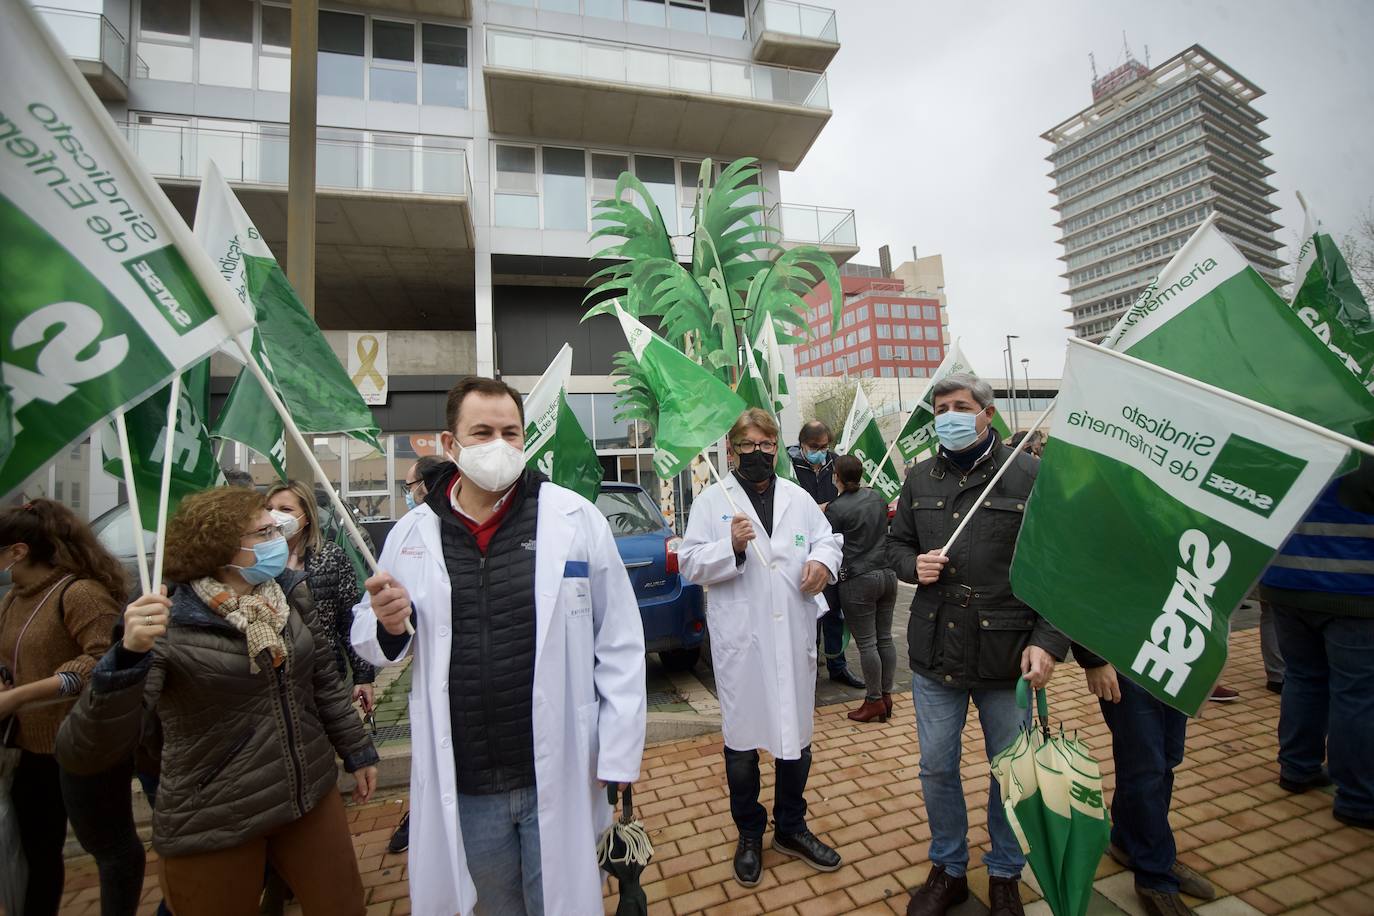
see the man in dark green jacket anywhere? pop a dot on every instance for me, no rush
(969, 637)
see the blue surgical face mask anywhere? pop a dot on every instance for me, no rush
(957, 431)
(271, 561)
(410, 501)
(815, 457)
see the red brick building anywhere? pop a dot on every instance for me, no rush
(887, 332)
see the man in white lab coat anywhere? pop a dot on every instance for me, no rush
(765, 551)
(528, 688)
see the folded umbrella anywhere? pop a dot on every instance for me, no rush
(623, 852)
(1052, 793)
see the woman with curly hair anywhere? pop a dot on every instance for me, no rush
(252, 711)
(55, 623)
(330, 575)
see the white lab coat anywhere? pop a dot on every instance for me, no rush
(763, 629)
(588, 701)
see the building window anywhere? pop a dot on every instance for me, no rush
(852, 360)
(887, 372)
(885, 351)
(516, 198)
(898, 310)
(903, 372)
(851, 340)
(565, 188)
(444, 68)
(274, 60)
(341, 54)
(687, 15)
(880, 309)
(884, 332)
(165, 39)
(862, 314)
(933, 354)
(392, 77)
(899, 332)
(930, 312)
(864, 333)
(825, 348)
(932, 332)
(647, 12)
(829, 366)
(726, 19)
(226, 43)
(901, 352)
(866, 355)
(849, 319)
(658, 175)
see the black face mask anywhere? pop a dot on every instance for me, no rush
(755, 467)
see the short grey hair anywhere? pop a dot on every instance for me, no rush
(963, 381)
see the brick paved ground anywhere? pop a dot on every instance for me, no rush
(1266, 851)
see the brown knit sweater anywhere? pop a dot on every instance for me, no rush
(66, 635)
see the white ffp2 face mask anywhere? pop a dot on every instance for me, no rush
(493, 465)
(289, 524)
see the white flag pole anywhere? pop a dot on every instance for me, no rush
(294, 432)
(134, 515)
(1025, 441)
(165, 485)
(1308, 425)
(731, 500)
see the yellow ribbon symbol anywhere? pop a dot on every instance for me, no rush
(368, 368)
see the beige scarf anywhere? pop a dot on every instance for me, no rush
(259, 615)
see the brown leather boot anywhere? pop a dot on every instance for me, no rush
(938, 894)
(887, 701)
(871, 711)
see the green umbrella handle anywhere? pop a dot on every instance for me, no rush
(1042, 703)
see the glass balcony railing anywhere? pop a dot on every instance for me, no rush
(89, 36)
(259, 155)
(814, 225)
(801, 19)
(651, 67)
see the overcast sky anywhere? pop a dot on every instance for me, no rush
(939, 107)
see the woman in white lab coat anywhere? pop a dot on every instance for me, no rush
(765, 551)
(588, 700)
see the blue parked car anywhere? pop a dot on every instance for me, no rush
(673, 611)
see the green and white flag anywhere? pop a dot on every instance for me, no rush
(194, 466)
(864, 440)
(753, 390)
(695, 409)
(1157, 506)
(1326, 298)
(918, 433)
(1211, 317)
(104, 294)
(287, 345)
(555, 444)
(776, 374)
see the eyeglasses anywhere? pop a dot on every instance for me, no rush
(746, 447)
(408, 485)
(265, 533)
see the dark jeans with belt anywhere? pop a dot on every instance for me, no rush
(1147, 744)
(831, 626)
(1327, 709)
(789, 802)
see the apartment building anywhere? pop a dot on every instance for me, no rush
(462, 146)
(1157, 151)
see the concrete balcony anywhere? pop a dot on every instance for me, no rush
(557, 87)
(99, 50)
(393, 222)
(829, 228)
(793, 34)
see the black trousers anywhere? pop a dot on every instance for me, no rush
(789, 801)
(101, 811)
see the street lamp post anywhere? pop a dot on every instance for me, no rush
(1011, 381)
(1025, 369)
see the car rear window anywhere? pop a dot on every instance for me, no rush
(629, 512)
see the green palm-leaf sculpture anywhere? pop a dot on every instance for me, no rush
(709, 308)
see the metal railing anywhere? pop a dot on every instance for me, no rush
(260, 156)
(634, 65)
(814, 225)
(89, 36)
(790, 18)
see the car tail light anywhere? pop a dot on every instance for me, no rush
(670, 546)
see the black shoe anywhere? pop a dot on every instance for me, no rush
(1350, 820)
(939, 894)
(1004, 897)
(1189, 881)
(1299, 786)
(749, 860)
(1159, 903)
(808, 848)
(1274, 686)
(846, 677)
(400, 840)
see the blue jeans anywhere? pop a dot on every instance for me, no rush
(501, 841)
(831, 626)
(940, 715)
(1147, 744)
(1327, 710)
